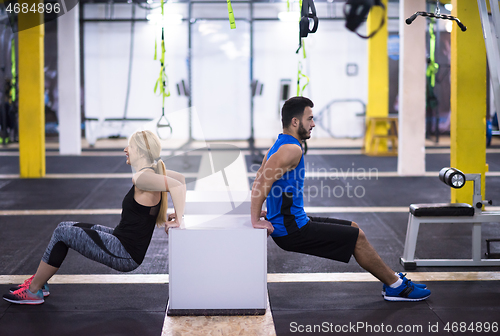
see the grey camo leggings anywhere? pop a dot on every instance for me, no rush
(93, 241)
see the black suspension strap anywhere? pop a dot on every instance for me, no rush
(308, 15)
(356, 12)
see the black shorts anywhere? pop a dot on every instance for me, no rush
(322, 237)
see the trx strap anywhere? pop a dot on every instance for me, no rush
(356, 12)
(232, 22)
(13, 70)
(433, 67)
(308, 11)
(162, 81)
(437, 14)
(300, 74)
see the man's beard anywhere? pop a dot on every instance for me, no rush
(302, 132)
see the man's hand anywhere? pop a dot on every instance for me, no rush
(263, 214)
(263, 224)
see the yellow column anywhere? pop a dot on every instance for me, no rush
(468, 97)
(31, 92)
(378, 73)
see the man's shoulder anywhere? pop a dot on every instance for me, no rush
(288, 155)
(290, 149)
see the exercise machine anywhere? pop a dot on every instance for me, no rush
(455, 213)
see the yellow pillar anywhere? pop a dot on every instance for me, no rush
(31, 92)
(378, 74)
(468, 97)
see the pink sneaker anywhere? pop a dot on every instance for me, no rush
(27, 282)
(24, 296)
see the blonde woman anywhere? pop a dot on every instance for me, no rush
(124, 247)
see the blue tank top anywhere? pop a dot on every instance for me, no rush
(285, 202)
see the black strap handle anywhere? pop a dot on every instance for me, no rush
(308, 11)
(357, 13)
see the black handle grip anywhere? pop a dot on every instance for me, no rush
(461, 25)
(411, 19)
(315, 26)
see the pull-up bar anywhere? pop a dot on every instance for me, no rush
(436, 15)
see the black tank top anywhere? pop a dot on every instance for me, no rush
(136, 226)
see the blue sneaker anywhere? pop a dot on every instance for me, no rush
(27, 282)
(24, 296)
(408, 291)
(405, 280)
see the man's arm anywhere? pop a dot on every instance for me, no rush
(284, 160)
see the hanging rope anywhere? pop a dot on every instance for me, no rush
(300, 74)
(356, 12)
(162, 81)
(433, 67)
(232, 22)
(13, 70)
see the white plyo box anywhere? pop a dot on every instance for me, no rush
(217, 263)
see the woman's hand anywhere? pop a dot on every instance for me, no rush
(171, 222)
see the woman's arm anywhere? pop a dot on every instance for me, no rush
(175, 175)
(149, 181)
(177, 191)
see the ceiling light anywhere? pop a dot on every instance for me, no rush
(289, 16)
(168, 19)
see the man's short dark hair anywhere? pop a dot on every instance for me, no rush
(294, 108)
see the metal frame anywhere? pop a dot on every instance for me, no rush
(408, 260)
(326, 112)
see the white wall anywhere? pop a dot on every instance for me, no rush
(221, 88)
(106, 57)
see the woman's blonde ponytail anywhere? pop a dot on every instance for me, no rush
(162, 215)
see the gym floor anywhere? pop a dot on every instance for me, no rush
(311, 295)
